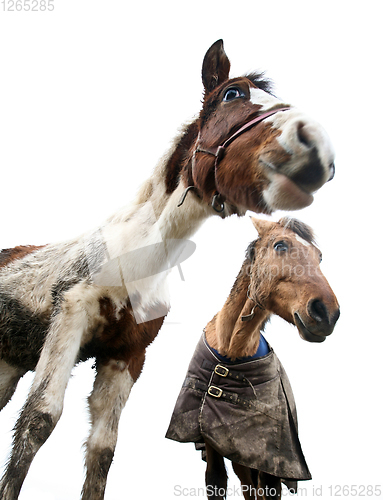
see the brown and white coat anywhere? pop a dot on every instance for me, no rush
(63, 303)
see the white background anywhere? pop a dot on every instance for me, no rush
(91, 96)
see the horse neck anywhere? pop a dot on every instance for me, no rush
(154, 224)
(226, 332)
(157, 200)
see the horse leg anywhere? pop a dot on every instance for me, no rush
(269, 487)
(245, 475)
(111, 390)
(9, 378)
(216, 476)
(44, 404)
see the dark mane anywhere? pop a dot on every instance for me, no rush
(250, 253)
(179, 157)
(260, 81)
(299, 228)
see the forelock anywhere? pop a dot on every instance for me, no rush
(260, 81)
(299, 228)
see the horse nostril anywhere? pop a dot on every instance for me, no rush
(335, 316)
(332, 172)
(318, 310)
(303, 136)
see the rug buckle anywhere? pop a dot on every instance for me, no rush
(222, 371)
(214, 391)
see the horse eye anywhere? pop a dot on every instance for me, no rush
(232, 94)
(281, 246)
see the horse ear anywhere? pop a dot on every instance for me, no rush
(262, 226)
(215, 67)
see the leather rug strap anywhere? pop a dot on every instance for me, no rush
(223, 371)
(216, 392)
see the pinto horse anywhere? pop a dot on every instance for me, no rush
(236, 400)
(103, 295)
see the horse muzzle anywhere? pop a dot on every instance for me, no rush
(300, 163)
(318, 321)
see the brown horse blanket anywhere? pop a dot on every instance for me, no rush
(245, 410)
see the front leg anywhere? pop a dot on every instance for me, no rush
(9, 378)
(269, 487)
(44, 404)
(110, 392)
(216, 476)
(248, 478)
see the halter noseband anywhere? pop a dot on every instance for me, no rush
(218, 201)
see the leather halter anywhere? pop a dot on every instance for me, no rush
(249, 317)
(218, 201)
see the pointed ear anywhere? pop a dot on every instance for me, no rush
(262, 226)
(215, 67)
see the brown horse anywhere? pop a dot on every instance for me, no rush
(236, 401)
(104, 295)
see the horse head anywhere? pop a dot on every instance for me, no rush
(285, 278)
(252, 150)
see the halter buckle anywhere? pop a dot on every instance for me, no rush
(214, 391)
(217, 203)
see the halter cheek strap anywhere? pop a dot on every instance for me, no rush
(249, 317)
(218, 201)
